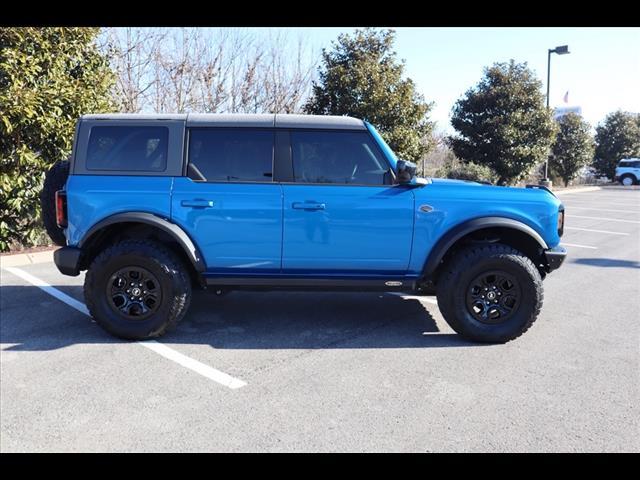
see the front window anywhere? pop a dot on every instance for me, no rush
(339, 157)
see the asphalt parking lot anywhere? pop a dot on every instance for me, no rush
(337, 371)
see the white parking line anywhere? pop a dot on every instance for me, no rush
(54, 292)
(578, 246)
(577, 190)
(630, 200)
(573, 207)
(572, 202)
(596, 231)
(157, 347)
(606, 219)
(198, 367)
(415, 297)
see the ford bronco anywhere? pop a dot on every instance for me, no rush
(153, 206)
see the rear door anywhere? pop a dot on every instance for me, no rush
(341, 213)
(228, 202)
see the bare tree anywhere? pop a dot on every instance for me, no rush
(286, 77)
(438, 156)
(209, 70)
(132, 52)
(179, 70)
(215, 68)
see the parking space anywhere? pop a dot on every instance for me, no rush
(337, 371)
(603, 219)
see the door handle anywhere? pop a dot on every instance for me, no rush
(197, 203)
(308, 206)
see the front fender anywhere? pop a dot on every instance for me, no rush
(456, 233)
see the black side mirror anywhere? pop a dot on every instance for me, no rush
(406, 171)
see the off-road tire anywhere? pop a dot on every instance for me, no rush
(170, 272)
(54, 180)
(466, 265)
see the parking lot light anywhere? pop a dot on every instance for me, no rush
(561, 50)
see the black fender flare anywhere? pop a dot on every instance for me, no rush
(456, 233)
(173, 230)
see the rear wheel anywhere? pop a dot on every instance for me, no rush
(628, 180)
(137, 289)
(491, 293)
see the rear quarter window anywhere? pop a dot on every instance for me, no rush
(128, 148)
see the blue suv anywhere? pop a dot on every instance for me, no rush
(156, 205)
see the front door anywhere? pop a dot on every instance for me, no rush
(341, 214)
(228, 202)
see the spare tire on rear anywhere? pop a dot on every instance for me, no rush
(54, 180)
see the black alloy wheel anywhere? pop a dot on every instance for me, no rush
(134, 292)
(493, 297)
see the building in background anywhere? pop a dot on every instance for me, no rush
(561, 111)
(566, 108)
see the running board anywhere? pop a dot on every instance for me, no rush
(330, 284)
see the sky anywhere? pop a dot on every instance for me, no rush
(601, 73)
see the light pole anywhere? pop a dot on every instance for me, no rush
(561, 50)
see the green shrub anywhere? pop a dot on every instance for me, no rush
(467, 171)
(502, 122)
(48, 78)
(361, 76)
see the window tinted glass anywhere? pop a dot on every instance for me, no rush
(230, 155)
(629, 164)
(337, 157)
(128, 148)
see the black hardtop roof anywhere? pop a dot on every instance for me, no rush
(242, 120)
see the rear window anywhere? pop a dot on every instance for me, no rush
(128, 149)
(230, 155)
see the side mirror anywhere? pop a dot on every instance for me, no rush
(406, 171)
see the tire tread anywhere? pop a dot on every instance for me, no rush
(54, 180)
(168, 261)
(464, 260)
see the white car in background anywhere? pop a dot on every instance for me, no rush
(628, 171)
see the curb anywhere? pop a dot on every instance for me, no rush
(577, 190)
(20, 259)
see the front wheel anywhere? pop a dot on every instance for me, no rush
(137, 289)
(491, 293)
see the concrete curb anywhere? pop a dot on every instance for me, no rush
(20, 259)
(577, 190)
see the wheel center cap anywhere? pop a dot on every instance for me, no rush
(136, 292)
(491, 295)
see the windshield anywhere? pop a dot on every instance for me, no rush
(386, 149)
